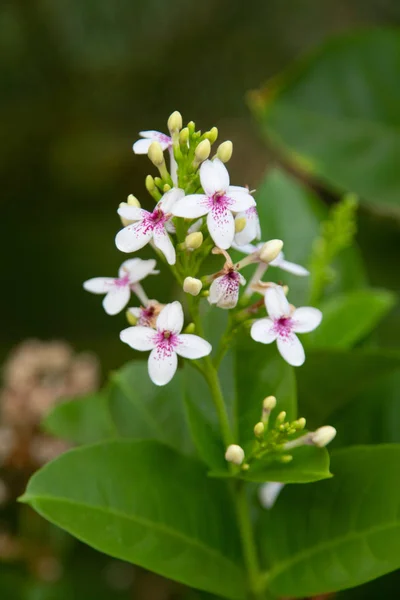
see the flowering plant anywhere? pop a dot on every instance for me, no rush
(193, 448)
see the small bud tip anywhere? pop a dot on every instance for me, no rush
(224, 151)
(192, 286)
(323, 436)
(234, 454)
(156, 154)
(175, 122)
(202, 151)
(259, 429)
(194, 240)
(270, 250)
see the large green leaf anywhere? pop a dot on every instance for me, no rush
(348, 318)
(338, 533)
(260, 371)
(336, 114)
(329, 379)
(146, 504)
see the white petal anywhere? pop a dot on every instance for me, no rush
(251, 230)
(99, 285)
(290, 267)
(137, 268)
(246, 249)
(276, 302)
(139, 338)
(214, 176)
(132, 213)
(142, 146)
(196, 226)
(116, 299)
(262, 331)
(157, 136)
(240, 200)
(291, 350)
(168, 200)
(269, 492)
(191, 207)
(306, 319)
(221, 225)
(133, 237)
(224, 292)
(162, 365)
(162, 241)
(192, 346)
(171, 318)
(173, 166)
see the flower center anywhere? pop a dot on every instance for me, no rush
(219, 200)
(122, 281)
(283, 326)
(157, 215)
(166, 340)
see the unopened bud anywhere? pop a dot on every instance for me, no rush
(240, 224)
(150, 184)
(191, 328)
(323, 436)
(175, 122)
(132, 320)
(286, 458)
(166, 188)
(202, 151)
(234, 454)
(269, 403)
(194, 240)
(192, 286)
(192, 127)
(270, 250)
(224, 151)
(155, 154)
(212, 135)
(299, 424)
(132, 201)
(184, 136)
(259, 429)
(280, 418)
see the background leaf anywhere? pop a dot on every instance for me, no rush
(145, 503)
(340, 533)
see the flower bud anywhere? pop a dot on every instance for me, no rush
(202, 151)
(259, 429)
(212, 135)
(184, 136)
(240, 224)
(194, 240)
(191, 328)
(270, 250)
(281, 418)
(224, 151)
(175, 122)
(323, 436)
(150, 184)
(192, 286)
(299, 424)
(155, 154)
(132, 320)
(132, 201)
(234, 454)
(269, 403)
(166, 188)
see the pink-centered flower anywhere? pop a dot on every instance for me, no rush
(149, 226)
(118, 290)
(224, 290)
(218, 202)
(282, 324)
(147, 315)
(252, 229)
(142, 146)
(166, 343)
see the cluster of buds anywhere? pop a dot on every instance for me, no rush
(197, 212)
(275, 440)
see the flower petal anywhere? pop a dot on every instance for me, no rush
(251, 230)
(306, 319)
(99, 285)
(168, 200)
(191, 207)
(116, 299)
(171, 318)
(269, 492)
(291, 350)
(157, 136)
(162, 241)
(142, 146)
(132, 213)
(224, 291)
(242, 200)
(162, 365)
(214, 176)
(134, 236)
(221, 225)
(263, 331)
(192, 346)
(139, 338)
(276, 302)
(290, 267)
(137, 268)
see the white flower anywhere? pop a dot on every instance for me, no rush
(218, 202)
(166, 343)
(252, 229)
(146, 315)
(224, 290)
(269, 492)
(282, 325)
(118, 290)
(149, 226)
(142, 146)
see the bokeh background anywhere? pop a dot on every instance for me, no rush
(79, 79)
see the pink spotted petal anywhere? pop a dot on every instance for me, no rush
(139, 338)
(221, 225)
(263, 331)
(162, 241)
(99, 285)
(162, 365)
(134, 236)
(191, 207)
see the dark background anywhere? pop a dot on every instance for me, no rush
(79, 80)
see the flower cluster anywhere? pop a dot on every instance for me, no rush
(197, 212)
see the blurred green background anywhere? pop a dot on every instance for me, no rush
(79, 79)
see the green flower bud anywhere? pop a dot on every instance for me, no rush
(155, 154)
(175, 122)
(224, 151)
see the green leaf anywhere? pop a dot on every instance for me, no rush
(81, 420)
(349, 318)
(146, 504)
(260, 371)
(335, 114)
(329, 379)
(339, 533)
